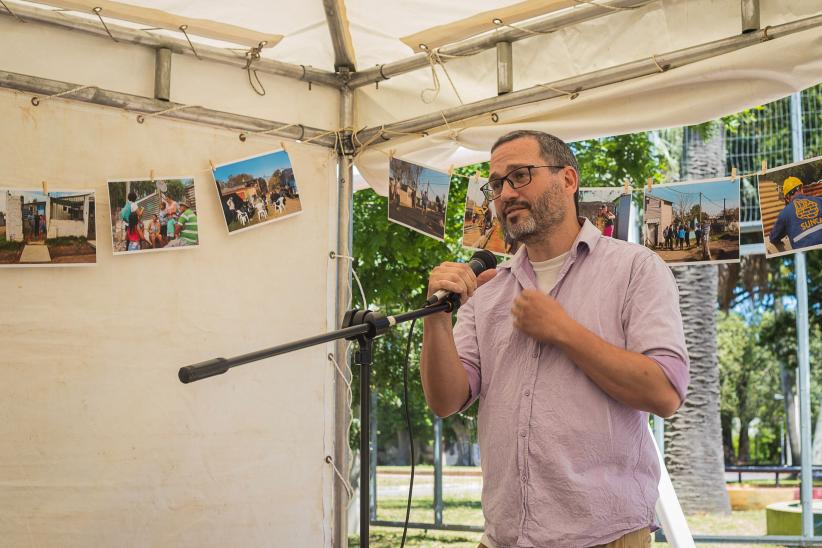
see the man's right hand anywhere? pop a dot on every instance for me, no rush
(457, 278)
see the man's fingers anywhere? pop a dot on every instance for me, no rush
(486, 276)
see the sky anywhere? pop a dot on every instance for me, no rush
(439, 183)
(474, 192)
(713, 194)
(261, 166)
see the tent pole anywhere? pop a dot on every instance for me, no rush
(162, 74)
(803, 352)
(591, 80)
(137, 104)
(345, 196)
(489, 40)
(135, 36)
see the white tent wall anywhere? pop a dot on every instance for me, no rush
(102, 445)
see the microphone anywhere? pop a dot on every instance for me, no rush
(481, 261)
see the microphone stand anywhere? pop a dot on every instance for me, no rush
(361, 326)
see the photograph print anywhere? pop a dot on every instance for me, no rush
(47, 228)
(418, 197)
(790, 200)
(693, 222)
(153, 215)
(608, 209)
(481, 228)
(257, 190)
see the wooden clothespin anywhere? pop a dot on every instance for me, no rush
(450, 170)
(212, 165)
(391, 154)
(764, 166)
(733, 173)
(626, 186)
(45, 187)
(650, 183)
(282, 145)
(151, 175)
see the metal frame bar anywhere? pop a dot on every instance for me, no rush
(162, 74)
(147, 106)
(576, 84)
(142, 38)
(505, 68)
(478, 44)
(345, 208)
(344, 57)
(750, 15)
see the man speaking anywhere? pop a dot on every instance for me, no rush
(568, 346)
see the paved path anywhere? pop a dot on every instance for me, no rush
(35, 253)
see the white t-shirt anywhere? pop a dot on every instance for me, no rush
(548, 271)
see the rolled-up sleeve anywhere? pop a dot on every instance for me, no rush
(652, 322)
(465, 339)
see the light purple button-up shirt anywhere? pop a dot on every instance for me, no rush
(563, 463)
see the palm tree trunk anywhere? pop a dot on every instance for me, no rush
(693, 437)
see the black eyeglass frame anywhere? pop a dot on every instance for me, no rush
(488, 192)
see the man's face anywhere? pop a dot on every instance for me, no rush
(530, 213)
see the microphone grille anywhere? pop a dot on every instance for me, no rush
(486, 258)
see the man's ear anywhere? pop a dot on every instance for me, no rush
(571, 180)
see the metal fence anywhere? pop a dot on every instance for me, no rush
(764, 133)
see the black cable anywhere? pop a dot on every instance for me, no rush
(408, 424)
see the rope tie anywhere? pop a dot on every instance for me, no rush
(142, 117)
(36, 99)
(345, 483)
(656, 62)
(606, 6)
(434, 59)
(571, 94)
(251, 56)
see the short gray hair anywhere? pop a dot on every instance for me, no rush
(553, 150)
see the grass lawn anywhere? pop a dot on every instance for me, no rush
(461, 506)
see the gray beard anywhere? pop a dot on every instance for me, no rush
(540, 219)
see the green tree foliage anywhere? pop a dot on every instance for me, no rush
(749, 379)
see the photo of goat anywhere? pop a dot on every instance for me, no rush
(257, 190)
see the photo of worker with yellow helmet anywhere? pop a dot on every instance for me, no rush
(791, 206)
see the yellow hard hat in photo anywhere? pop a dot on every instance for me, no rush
(789, 184)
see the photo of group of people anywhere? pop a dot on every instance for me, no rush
(153, 215)
(790, 200)
(418, 197)
(693, 222)
(45, 228)
(257, 190)
(609, 209)
(482, 228)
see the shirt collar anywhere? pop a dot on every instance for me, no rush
(521, 268)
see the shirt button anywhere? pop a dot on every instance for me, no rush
(524, 479)
(522, 433)
(527, 392)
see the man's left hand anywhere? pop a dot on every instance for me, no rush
(540, 316)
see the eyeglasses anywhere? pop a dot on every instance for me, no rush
(517, 178)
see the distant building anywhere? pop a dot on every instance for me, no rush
(659, 214)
